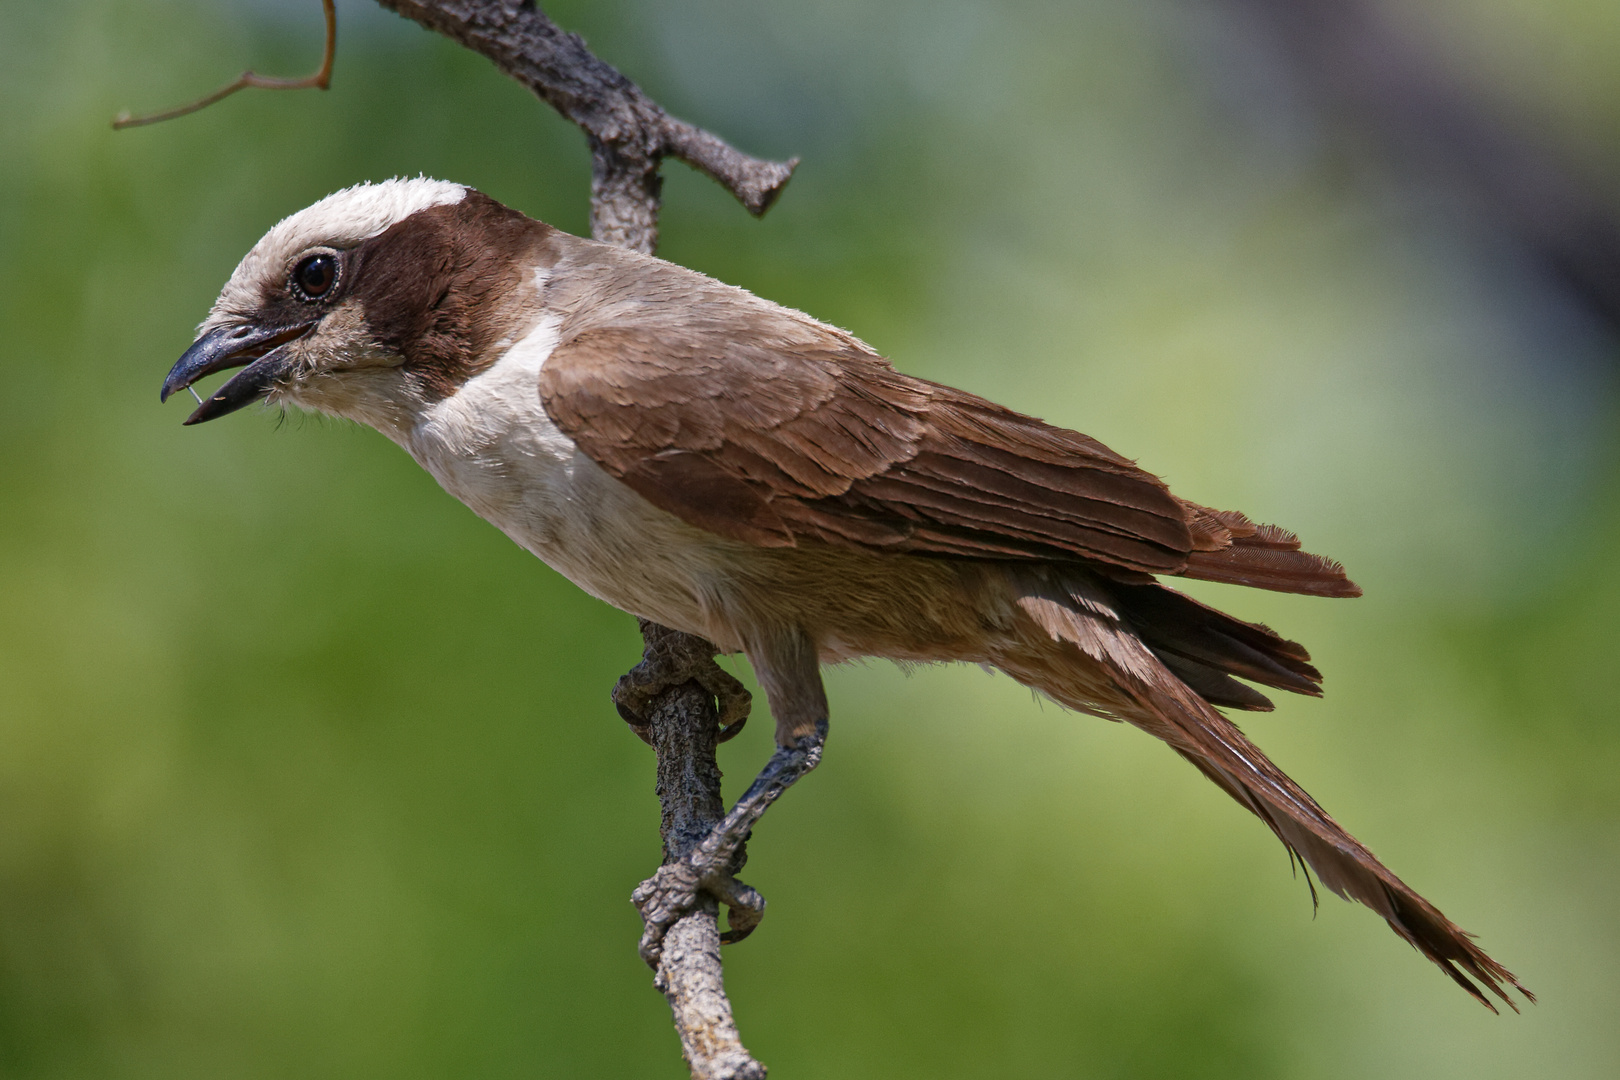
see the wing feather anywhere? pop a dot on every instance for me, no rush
(763, 425)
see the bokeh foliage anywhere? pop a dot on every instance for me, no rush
(306, 771)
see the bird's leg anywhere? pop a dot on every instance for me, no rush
(788, 666)
(669, 660)
(672, 892)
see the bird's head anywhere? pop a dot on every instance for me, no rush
(368, 302)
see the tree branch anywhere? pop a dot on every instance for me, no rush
(629, 133)
(684, 729)
(629, 136)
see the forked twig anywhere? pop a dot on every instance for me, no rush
(630, 134)
(320, 81)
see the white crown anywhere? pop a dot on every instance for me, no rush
(340, 220)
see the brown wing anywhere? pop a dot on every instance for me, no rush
(772, 442)
(792, 430)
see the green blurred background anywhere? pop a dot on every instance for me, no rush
(306, 771)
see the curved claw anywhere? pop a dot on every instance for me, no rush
(745, 908)
(638, 724)
(633, 694)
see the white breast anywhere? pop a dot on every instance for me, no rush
(492, 446)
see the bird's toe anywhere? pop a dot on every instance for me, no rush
(677, 889)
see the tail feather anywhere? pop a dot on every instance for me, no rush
(1127, 679)
(1229, 548)
(1184, 632)
(1351, 872)
(1214, 685)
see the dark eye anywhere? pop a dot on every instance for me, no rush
(315, 276)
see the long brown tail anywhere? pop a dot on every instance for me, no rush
(1090, 654)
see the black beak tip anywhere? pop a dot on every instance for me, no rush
(259, 348)
(178, 378)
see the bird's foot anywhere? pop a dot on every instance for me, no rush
(708, 867)
(670, 660)
(678, 888)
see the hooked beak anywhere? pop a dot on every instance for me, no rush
(229, 347)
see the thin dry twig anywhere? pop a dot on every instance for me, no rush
(321, 80)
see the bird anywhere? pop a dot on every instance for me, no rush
(724, 466)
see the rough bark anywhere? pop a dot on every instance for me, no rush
(629, 133)
(684, 727)
(629, 136)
